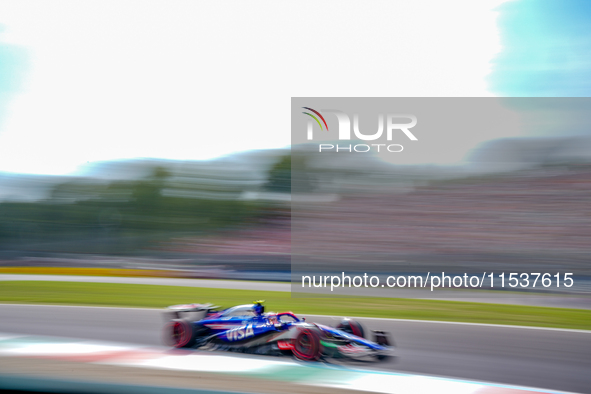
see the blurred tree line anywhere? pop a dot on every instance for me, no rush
(292, 174)
(87, 216)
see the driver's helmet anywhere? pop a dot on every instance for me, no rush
(259, 308)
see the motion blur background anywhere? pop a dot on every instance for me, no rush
(157, 135)
(515, 203)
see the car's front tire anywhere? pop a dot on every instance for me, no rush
(306, 345)
(381, 338)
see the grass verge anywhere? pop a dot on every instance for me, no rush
(156, 296)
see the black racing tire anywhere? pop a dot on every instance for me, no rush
(352, 327)
(180, 333)
(306, 345)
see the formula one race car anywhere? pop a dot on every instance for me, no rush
(248, 329)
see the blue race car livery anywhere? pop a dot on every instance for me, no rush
(248, 329)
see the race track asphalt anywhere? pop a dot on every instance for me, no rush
(543, 358)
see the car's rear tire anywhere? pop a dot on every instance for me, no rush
(352, 327)
(306, 345)
(180, 333)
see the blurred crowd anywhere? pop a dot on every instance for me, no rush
(541, 217)
(534, 211)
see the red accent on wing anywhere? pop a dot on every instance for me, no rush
(285, 345)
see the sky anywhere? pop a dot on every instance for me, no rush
(546, 49)
(82, 82)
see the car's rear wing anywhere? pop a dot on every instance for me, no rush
(190, 311)
(191, 307)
